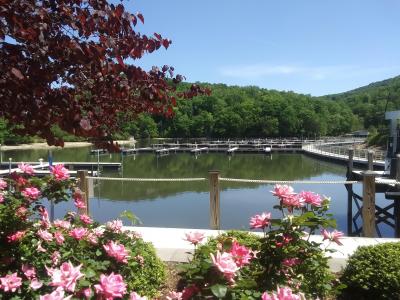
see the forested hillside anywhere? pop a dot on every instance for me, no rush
(370, 102)
(233, 111)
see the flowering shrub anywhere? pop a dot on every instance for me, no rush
(74, 257)
(281, 264)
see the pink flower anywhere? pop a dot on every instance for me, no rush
(260, 221)
(3, 184)
(293, 201)
(240, 254)
(85, 219)
(40, 248)
(15, 237)
(58, 294)
(66, 277)
(31, 193)
(1, 198)
(35, 284)
(189, 291)
(98, 231)
(284, 293)
(225, 264)
(85, 124)
(92, 238)
(79, 203)
(45, 235)
(59, 172)
(111, 286)
(78, 233)
(59, 238)
(62, 224)
(285, 240)
(117, 251)
(332, 236)
(55, 258)
(87, 293)
(10, 283)
(29, 271)
(282, 191)
(291, 262)
(26, 168)
(45, 221)
(311, 198)
(174, 296)
(21, 212)
(135, 296)
(194, 237)
(115, 226)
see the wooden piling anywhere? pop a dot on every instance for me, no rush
(83, 185)
(368, 208)
(370, 160)
(214, 200)
(350, 193)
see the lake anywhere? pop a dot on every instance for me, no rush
(186, 204)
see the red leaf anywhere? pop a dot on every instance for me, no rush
(17, 73)
(140, 16)
(158, 36)
(166, 43)
(120, 61)
(134, 20)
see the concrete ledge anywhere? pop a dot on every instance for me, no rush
(170, 245)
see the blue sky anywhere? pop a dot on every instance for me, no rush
(312, 46)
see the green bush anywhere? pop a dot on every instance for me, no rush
(373, 272)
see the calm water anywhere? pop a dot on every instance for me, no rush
(186, 204)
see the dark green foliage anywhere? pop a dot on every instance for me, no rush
(373, 272)
(233, 111)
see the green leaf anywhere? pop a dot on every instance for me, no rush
(219, 290)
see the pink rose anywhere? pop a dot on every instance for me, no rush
(62, 224)
(55, 258)
(58, 294)
(333, 236)
(28, 271)
(293, 201)
(194, 237)
(26, 168)
(260, 221)
(45, 235)
(291, 262)
(135, 296)
(174, 296)
(3, 184)
(283, 293)
(10, 283)
(15, 237)
(92, 238)
(282, 191)
(35, 284)
(111, 286)
(115, 226)
(87, 293)
(85, 219)
(116, 251)
(59, 238)
(66, 277)
(59, 172)
(240, 254)
(31, 193)
(225, 264)
(85, 124)
(311, 198)
(1, 198)
(78, 233)
(40, 248)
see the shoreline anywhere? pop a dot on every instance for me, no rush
(45, 146)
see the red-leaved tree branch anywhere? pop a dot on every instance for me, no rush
(64, 62)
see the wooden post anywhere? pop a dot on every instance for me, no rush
(370, 160)
(368, 208)
(350, 193)
(83, 184)
(396, 208)
(214, 200)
